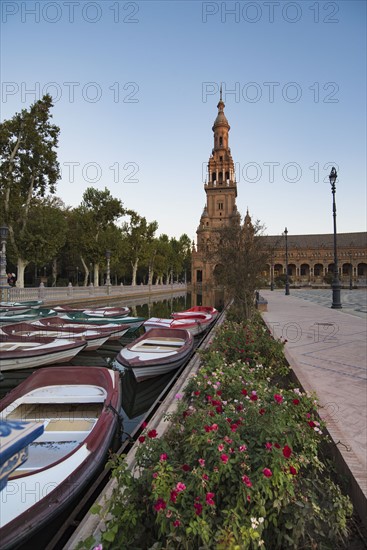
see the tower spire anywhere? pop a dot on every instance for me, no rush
(220, 97)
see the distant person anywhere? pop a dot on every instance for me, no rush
(12, 279)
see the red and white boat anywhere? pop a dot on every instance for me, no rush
(78, 408)
(114, 331)
(93, 338)
(196, 309)
(195, 325)
(17, 352)
(156, 352)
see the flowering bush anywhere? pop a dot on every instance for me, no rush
(240, 466)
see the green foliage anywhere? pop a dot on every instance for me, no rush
(240, 467)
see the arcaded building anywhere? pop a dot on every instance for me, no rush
(310, 257)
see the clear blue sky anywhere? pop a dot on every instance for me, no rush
(136, 86)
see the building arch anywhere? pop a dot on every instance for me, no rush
(305, 270)
(318, 270)
(362, 270)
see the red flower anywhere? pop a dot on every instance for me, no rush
(207, 428)
(141, 439)
(219, 392)
(152, 434)
(205, 476)
(176, 523)
(268, 446)
(247, 481)
(160, 505)
(173, 496)
(209, 498)
(224, 458)
(277, 445)
(186, 468)
(198, 508)
(311, 424)
(163, 457)
(197, 392)
(287, 451)
(278, 398)
(234, 427)
(267, 472)
(295, 401)
(219, 409)
(244, 391)
(293, 470)
(262, 411)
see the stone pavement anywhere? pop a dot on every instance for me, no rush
(327, 350)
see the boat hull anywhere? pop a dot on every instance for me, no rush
(157, 352)
(36, 352)
(33, 498)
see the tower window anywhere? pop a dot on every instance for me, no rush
(221, 159)
(220, 142)
(220, 206)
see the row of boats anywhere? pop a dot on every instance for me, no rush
(57, 425)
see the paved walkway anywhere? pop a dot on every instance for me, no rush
(327, 349)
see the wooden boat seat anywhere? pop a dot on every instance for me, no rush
(158, 344)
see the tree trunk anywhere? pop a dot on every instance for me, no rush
(96, 275)
(135, 270)
(21, 265)
(86, 271)
(150, 275)
(54, 272)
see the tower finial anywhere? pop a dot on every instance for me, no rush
(220, 97)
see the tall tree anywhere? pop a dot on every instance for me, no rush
(28, 169)
(99, 211)
(240, 254)
(139, 236)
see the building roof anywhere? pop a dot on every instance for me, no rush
(344, 240)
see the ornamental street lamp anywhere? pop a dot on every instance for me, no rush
(4, 232)
(335, 285)
(286, 263)
(108, 276)
(350, 273)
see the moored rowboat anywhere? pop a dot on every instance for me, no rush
(156, 352)
(94, 339)
(194, 310)
(196, 325)
(113, 331)
(32, 352)
(78, 407)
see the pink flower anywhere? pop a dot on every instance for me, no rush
(247, 481)
(242, 448)
(278, 398)
(293, 470)
(155, 475)
(160, 505)
(141, 439)
(287, 451)
(163, 457)
(214, 427)
(228, 440)
(180, 487)
(152, 434)
(224, 458)
(173, 496)
(253, 396)
(267, 472)
(201, 462)
(268, 446)
(220, 447)
(176, 523)
(234, 427)
(205, 476)
(209, 498)
(178, 396)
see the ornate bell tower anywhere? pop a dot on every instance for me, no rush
(221, 192)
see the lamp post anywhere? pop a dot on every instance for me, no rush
(4, 232)
(108, 275)
(271, 273)
(350, 273)
(77, 276)
(335, 285)
(286, 263)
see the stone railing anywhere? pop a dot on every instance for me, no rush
(87, 293)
